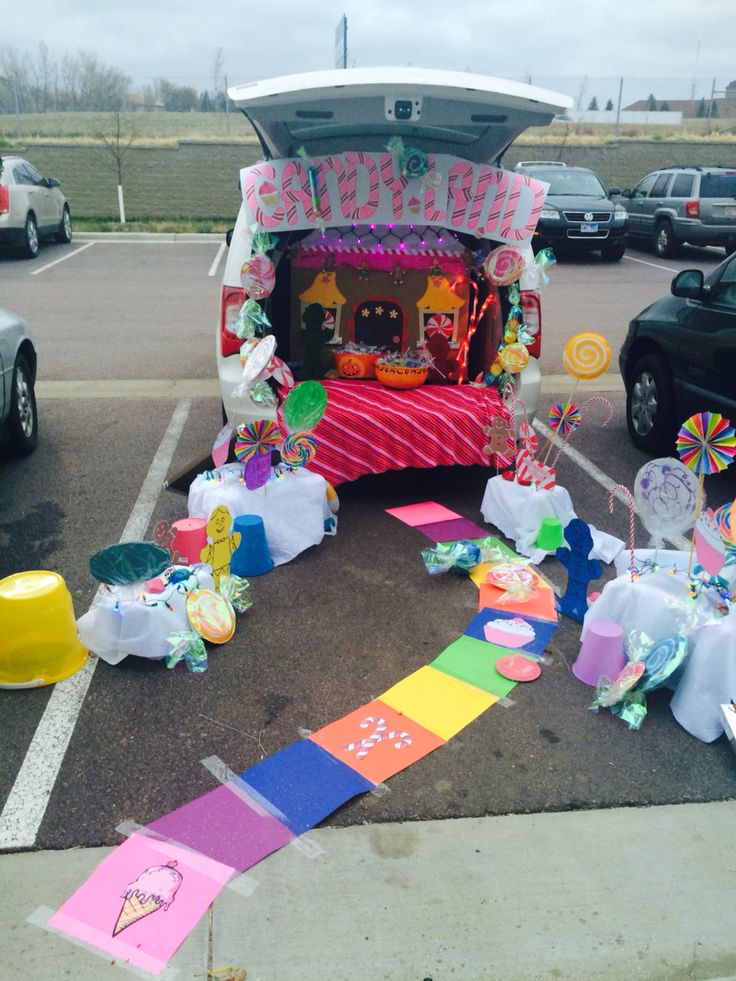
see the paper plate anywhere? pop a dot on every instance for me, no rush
(210, 615)
(259, 358)
(517, 668)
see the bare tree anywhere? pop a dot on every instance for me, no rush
(117, 144)
(218, 67)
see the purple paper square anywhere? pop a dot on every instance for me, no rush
(452, 530)
(227, 826)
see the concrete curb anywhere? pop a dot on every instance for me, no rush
(149, 236)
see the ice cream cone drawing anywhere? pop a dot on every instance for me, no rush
(154, 889)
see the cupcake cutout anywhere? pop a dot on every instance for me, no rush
(509, 633)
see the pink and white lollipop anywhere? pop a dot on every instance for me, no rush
(504, 265)
(258, 276)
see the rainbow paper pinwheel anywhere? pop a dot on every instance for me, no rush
(706, 443)
(261, 436)
(564, 418)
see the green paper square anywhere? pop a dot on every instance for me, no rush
(474, 661)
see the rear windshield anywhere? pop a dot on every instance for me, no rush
(718, 185)
(570, 182)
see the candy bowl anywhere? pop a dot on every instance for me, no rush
(401, 376)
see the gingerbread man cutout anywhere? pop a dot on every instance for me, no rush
(222, 544)
(580, 569)
(498, 434)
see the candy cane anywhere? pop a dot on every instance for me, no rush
(395, 184)
(431, 212)
(364, 746)
(299, 195)
(508, 216)
(632, 507)
(403, 738)
(353, 159)
(502, 180)
(586, 403)
(459, 191)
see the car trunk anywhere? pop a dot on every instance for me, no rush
(718, 199)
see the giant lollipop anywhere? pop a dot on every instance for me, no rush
(304, 406)
(666, 493)
(706, 443)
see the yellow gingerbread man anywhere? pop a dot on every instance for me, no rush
(221, 543)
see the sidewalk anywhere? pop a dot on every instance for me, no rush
(620, 894)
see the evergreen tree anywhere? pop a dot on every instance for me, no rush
(700, 111)
(593, 104)
(651, 103)
(664, 107)
(609, 105)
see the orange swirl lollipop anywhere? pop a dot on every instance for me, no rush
(586, 355)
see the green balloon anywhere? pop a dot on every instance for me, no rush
(304, 406)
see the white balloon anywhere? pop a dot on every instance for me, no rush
(666, 493)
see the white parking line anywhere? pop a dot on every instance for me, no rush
(599, 476)
(68, 255)
(654, 265)
(216, 261)
(29, 797)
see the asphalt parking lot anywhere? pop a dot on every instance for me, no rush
(126, 335)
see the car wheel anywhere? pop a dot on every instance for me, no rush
(65, 228)
(30, 238)
(650, 405)
(614, 253)
(23, 420)
(665, 244)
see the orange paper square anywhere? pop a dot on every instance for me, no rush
(353, 740)
(541, 605)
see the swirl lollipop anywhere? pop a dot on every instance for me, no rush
(724, 518)
(586, 355)
(504, 265)
(298, 449)
(564, 418)
(666, 493)
(513, 358)
(257, 437)
(258, 276)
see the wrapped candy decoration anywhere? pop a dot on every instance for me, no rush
(462, 555)
(235, 590)
(187, 646)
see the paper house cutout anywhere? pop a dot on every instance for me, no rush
(379, 321)
(324, 290)
(303, 784)
(439, 310)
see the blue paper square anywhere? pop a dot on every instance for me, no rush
(304, 784)
(511, 630)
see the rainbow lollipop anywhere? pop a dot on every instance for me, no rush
(706, 443)
(257, 437)
(564, 418)
(298, 449)
(724, 517)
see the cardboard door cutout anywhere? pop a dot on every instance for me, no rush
(379, 322)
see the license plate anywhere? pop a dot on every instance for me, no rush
(730, 211)
(589, 226)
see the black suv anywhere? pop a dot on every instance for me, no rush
(578, 213)
(685, 204)
(679, 357)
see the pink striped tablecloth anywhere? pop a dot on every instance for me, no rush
(369, 428)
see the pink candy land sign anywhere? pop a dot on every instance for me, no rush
(368, 188)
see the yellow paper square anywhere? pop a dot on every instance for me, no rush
(479, 573)
(437, 701)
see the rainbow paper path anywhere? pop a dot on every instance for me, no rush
(239, 823)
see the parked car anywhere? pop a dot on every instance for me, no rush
(679, 357)
(360, 111)
(17, 382)
(32, 207)
(674, 205)
(578, 211)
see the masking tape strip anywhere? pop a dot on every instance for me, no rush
(307, 846)
(506, 702)
(40, 918)
(303, 732)
(241, 883)
(249, 795)
(380, 790)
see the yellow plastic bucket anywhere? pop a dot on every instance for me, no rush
(39, 644)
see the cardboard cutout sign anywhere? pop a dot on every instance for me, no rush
(369, 188)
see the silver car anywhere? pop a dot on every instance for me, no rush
(31, 207)
(17, 381)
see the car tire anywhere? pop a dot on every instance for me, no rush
(650, 405)
(29, 247)
(614, 253)
(23, 418)
(665, 244)
(65, 228)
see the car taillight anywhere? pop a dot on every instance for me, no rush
(4, 199)
(532, 310)
(233, 297)
(692, 209)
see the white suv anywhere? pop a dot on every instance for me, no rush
(357, 113)
(31, 207)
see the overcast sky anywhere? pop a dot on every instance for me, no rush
(555, 42)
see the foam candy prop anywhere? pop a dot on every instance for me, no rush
(304, 406)
(211, 615)
(257, 471)
(723, 516)
(709, 548)
(518, 582)
(38, 639)
(586, 355)
(258, 276)
(562, 443)
(661, 660)
(128, 562)
(608, 692)
(564, 418)
(251, 320)
(500, 439)
(253, 447)
(503, 265)
(187, 646)
(462, 555)
(221, 446)
(665, 492)
(298, 450)
(221, 543)
(581, 569)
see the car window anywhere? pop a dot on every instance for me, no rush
(21, 175)
(718, 185)
(34, 175)
(643, 187)
(682, 186)
(660, 186)
(572, 182)
(724, 292)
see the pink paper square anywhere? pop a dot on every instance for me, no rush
(92, 913)
(427, 512)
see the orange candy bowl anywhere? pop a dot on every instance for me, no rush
(399, 376)
(356, 364)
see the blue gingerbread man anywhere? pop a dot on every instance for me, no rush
(580, 569)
